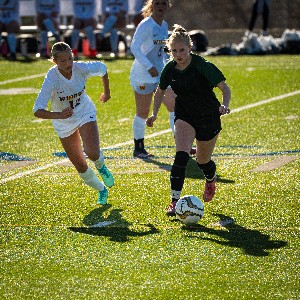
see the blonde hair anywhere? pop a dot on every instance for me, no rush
(147, 9)
(179, 35)
(58, 48)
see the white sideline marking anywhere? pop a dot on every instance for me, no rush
(280, 97)
(18, 91)
(22, 78)
(148, 136)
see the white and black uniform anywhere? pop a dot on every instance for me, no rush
(64, 93)
(148, 49)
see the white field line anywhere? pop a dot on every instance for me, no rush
(19, 175)
(22, 78)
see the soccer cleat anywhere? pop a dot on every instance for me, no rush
(103, 195)
(171, 209)
(106, 175)
(142, 153)
(209, 190)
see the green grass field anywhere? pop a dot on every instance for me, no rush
(52, 246)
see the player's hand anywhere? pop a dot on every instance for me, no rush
(224, 110)
(66, 113)
(153, 72)
(104, 97)
(150, 121)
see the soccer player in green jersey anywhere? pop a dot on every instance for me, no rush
(197, 111)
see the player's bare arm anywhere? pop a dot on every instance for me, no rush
(226, 96)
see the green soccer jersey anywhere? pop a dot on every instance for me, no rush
(193, 86)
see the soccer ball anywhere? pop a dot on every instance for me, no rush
(189, 209)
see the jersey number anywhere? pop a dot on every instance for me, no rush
(77, 102)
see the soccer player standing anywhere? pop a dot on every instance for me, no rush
(197, 111)
(73, 113)
(148, 49)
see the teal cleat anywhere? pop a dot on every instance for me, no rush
(106, 175)
(103, 195)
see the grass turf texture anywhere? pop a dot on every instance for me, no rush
(49, 249)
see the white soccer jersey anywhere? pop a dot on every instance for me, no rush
(63, 93)
(84, 9)
(9, 11)
(148, 49)
(115, 6)
(47, 6)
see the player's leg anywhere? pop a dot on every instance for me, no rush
(114, 41)
(73, 148)
(143, 102)
(91, 144)
(207, 165)
(77, 23)
(89, 26)
(184, 137)
(13, 28)
(43, 35)
(169, 102)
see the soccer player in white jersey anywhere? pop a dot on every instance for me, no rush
(115, 17)
(10, 23)
(84, 19)
(148, 49)
(47, 20)
(73, 113)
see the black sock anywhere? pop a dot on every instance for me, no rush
(208, 169)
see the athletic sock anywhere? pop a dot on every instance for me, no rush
(209, 170)
(90, 178)
(171, 119)
(138, 126)
(100, 161)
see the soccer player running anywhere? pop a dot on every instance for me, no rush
(197, 111)
(148, 49)
(73, 113)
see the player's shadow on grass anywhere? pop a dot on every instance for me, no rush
(121, 232)
(192, 170)
(252, 242)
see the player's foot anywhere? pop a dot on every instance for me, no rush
(171, 209)
(193, 151)
(209, 190)
(93, 54)
(106, 175)
(103, 195)
(12, 56)
(141, 153)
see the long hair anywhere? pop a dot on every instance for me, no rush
(148, 8)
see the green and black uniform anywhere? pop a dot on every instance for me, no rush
(196, 103)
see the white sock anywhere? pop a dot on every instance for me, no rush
(90, 178)
(138, 126)
(171, 119)
(100, 161)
